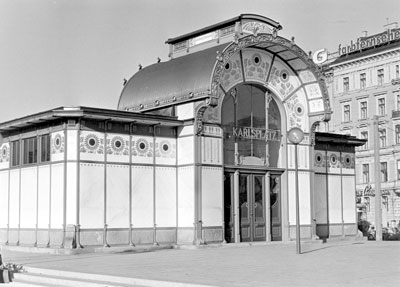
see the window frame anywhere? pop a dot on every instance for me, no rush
(363, 80)
(346, 113)
(29, 150)
(365, 172)
(383, 169)
(381, 105)
(346, 84)
(362, 136)
(382, 138)
(364, 110)
(380, 77)
(45, 148)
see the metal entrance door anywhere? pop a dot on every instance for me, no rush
(251, 207)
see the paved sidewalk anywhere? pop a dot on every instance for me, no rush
(343, 263)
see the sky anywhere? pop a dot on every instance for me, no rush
(57, 53)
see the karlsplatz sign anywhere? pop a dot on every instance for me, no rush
(256, 133)
(369, 42)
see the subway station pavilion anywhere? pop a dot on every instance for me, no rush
(197, 152)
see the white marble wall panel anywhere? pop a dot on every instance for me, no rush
(28, 197)
(142, 196)
(166, 197)
(303, 152)
(72, 144)
(57, 195)
(71, 192)
(118, 147)
(14, 198)
(316, 106)
(211, 150)
(165, 151)
(5, 155)
(91, 146)
(307, 76)
(320, 161)
(44, 196)
(232, 72)
(297, 111)
(186, 196)
(186, 150)
(185, 111)
(283, 79)
(118, 196)
(57, 146)
(142, 148)
(186, 130)
(335, 204)
(304, 197)
(256, 64)
(320, 199)
(3, 198)
(349, 199)
(91, 195)
(348, 163)
(212, 189)
(313, 91)
(333, 162)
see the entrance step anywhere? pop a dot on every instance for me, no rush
(47, 277)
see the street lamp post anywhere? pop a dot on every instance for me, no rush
(296, 136)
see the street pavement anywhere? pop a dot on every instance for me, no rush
(337, 263)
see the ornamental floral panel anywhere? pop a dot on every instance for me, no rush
(57, 143)
(117, 144)
(5, 153)
(297, 111)
(282, 79)
(232, 72)
(142, 147)
(256, 64)
(91, 143)
(166, 148)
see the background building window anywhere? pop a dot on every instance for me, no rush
(397, 71)
(398, 169)
(44, 148)
(364, 110)
(345, 84)
(29, 150)
(380, 77)
(346, 113)
(364, 135)
(363, 81)
(381, 107)
(398, 102)
(382, 137)
(397, 131)
(365, 176)
(384, 176)
(15, 153)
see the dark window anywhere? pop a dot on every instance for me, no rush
(364, 135)
(364, 110)
(346, 113)
(365, 168)
(29, 150)
(397, 131)
(380, 77)
(381, 106)
(398, 169)
(15, 153)
(382, 137)
(384, 176)
(346, 84)
(44, 148)
(363, 80)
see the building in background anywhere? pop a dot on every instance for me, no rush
(363, 79)
(196, 152)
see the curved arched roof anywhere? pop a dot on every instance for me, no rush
(182, 77)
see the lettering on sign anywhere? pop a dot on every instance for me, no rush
(369, 42)
(256, 133)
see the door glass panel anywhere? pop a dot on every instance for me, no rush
(228, 207)
(243, 198)
(258, 200)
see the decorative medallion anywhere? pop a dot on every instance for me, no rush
(57, 144)
(92, 142)
(319, 159)
(347, 161)
(333, 160)
(142, 146)
(284, 75)
(299, 109)
(4, 154)
(117, 144)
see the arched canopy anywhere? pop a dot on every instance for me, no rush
(254, 53)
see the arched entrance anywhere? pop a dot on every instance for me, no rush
(251, 123)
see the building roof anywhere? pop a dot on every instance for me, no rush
(87, 113)
(338, 139)
(184, 77)
(224, 24)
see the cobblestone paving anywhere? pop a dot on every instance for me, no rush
(347, 263)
